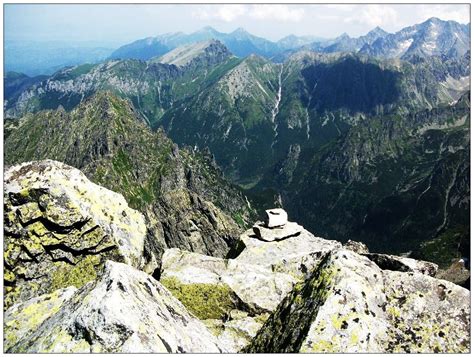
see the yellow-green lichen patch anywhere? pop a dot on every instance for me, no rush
(216, 327)
(11, 295)
(75, 275)
(205, 301)
(318, 347)
(262, 318)
(60, 341)
(28, 316)
(9, 276)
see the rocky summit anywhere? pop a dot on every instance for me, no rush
(78, 279)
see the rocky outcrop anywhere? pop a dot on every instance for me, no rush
(124, 311)
(349, 304)
(235, 296)
(60, 228)
(296, 255)
(197, 278)
(356, 247)
(392, 262)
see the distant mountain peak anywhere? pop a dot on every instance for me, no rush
(434, 19)
(377, 31)
(214, 51)
(208, 29)
(239, 30)
(343, 36)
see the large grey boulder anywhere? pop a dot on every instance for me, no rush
(60, 228)
(212, 287)
(296, 256)
(124, 311)
(235, 296)
(349, 304)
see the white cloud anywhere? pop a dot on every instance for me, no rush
(340, 7)
(276, 12)
(229, 13)
(374, 15)
(459, 13)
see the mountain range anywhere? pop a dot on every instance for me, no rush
(355, 138)
(47, 57)
(239, 42)
(431, 37)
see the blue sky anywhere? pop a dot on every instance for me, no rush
(118, 24)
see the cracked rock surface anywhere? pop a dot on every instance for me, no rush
(125, 310)
(349, 304)
(60, 228)
(235, 296)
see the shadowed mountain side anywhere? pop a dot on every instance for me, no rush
(352, 85)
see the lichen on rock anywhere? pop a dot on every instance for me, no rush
(349, 304)
(60, 228)
(205, 301)
(124, 310)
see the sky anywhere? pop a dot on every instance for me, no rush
(121, 23)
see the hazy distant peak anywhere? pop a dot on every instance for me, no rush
(377, 31)
(184, 55)
(343, 36)
(239, 30)
(208, 29)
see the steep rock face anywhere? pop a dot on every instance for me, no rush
(349, 304)
(124, 311)
(185, 198)
(233, 116)
(60, 228)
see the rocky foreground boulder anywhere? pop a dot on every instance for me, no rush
(60, 228)
(125, 311)
(73, 251)
(349, 304)
(235, 296)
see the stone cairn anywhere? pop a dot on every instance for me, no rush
(276, 226)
